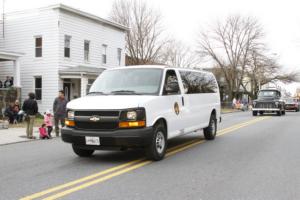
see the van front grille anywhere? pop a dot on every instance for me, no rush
(108, 113)
(108, 120)
(96, 125)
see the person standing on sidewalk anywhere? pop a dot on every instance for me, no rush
(60, 111)
(30, 107)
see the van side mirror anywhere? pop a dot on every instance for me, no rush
(172, 88)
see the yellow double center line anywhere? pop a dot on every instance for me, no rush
(107, 174)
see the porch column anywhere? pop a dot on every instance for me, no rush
(17, 73)
(84, 82)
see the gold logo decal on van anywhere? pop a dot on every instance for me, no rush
(176, 108)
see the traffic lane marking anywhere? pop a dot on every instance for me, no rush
(132, 165)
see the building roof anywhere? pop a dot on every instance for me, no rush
(77, 12)
(81, 70)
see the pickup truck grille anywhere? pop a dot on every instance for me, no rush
(106, 120)
(265, 105)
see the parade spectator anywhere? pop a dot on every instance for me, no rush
(60, 111)
(10, 113)
(1, 84)
(234, 103)
(48, 120)
(43, 132)
(18, 111)
(8, 82)
(30, 107)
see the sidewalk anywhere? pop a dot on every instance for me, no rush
(16, 135)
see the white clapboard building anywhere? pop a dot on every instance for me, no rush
(58, 47)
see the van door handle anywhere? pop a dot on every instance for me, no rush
(182, 100)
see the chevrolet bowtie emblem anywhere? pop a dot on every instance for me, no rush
(95, 118)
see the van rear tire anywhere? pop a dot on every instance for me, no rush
(82, 152)
(157, 149)
(210, 132)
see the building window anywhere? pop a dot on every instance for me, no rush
(119, 55)
(89, 85)
(86, 50)
(67, 46)
(38, 46)
(104, 56)
(38, 88)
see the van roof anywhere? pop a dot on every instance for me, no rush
(158, 67)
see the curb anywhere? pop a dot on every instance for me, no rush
(24, 141)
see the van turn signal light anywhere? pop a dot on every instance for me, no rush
(69, 123)
(134, 124)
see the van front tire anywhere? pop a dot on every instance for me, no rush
(82, 152)
(210, 132)
(157, 149)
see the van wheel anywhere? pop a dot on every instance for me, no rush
(82, 152)
(283, 112)
(261, 112)
(254, 113)
(210, 132)
(279, 113)
(157, 149)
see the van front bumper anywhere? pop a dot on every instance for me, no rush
(117, 138)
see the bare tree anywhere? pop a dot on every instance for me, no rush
(179, 55)
(263, 69)
(228, 44)
(144, 39)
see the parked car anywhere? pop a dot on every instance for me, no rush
(143, 106)
(268, 101)
(292, 104)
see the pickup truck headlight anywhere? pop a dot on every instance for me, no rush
(71, 114)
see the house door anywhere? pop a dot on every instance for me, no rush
(67, 90)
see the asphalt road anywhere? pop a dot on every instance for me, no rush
(255, 158)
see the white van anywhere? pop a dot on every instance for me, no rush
(143, 106)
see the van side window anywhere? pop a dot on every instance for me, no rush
(197, 82)
(171, 86)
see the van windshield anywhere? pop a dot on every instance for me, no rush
(128, 82)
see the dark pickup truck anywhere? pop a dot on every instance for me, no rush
(268, 101)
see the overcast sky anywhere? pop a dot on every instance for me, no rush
(184, 18)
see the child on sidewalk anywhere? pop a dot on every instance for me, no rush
(48, 120)
(43, 132)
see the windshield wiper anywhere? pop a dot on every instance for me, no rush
(124, 92)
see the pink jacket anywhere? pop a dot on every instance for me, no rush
(48, 120)
(43, 132)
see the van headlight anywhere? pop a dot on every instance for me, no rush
(133, 118)
(71, 114)
(131, 115)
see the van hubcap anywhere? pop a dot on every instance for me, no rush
(160, 142)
